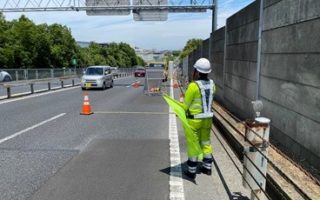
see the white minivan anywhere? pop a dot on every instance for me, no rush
(97, 77)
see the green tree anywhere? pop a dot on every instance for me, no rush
(191, 45)
(63, 46)
(23, 44)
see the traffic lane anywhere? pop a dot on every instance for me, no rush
(112, 169)
(21, 114)
(59, 135)
(22, 172)
(75, 130)
(128, 81)
(24, 113)
(67, 134)
(136, 101)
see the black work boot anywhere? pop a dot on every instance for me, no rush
(206, 166)
(189, 174)
(192, 168)
(206, 171)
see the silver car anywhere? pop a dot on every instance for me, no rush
(97, 77)
(5, 76)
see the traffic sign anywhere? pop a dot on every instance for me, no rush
(150, 14)
(96, 7)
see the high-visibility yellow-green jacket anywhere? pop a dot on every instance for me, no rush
(193, 102)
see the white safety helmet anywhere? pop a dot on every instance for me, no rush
(203, 66)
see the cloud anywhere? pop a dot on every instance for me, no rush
(171, 34)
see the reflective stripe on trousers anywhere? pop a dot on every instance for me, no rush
(207, 161)
(192, 165)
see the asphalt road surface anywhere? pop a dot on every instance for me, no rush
(49, 132)
(48, 151)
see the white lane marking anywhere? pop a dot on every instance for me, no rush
(175, 182)
(36, 95)
(31, 128)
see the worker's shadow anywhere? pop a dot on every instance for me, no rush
(232, 195)
(177, 171)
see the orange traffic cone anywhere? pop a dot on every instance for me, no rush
(86, 108)
(136, 84)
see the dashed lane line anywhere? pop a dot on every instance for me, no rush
(30, 128)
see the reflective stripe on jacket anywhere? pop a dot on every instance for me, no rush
(198, 101)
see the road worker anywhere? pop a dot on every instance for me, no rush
(198, 100)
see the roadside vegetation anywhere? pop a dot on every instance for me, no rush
(191, 45)
(23, 44)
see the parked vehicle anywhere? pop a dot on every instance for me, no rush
(5, 76)
(97, 77)
(115, 71)
(140, 72)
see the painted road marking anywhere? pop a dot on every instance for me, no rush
(175, 182)
(123, 112)
(30, 128)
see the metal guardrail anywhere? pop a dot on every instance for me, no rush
(31, 74)
(71, 75)
(9, 85)
(43, 73)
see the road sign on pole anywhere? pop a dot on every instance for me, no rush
(97, 7)
(150, 14)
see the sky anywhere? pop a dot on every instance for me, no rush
(166, 35)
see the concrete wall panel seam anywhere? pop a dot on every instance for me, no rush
(291, 53)
(242, 77)
(288, 109)
(292, 24)
(243, 60)
(273, 3)
(290, 81)
(237, 27)
(240, 94)
(242, 43)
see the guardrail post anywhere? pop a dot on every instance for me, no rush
(31, 88)
(72, 82)
(61, 84)
(17, 75)
(49, 86)
(9, 92)
(25, 72)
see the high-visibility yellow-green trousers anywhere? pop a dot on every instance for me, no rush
(198, 141)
